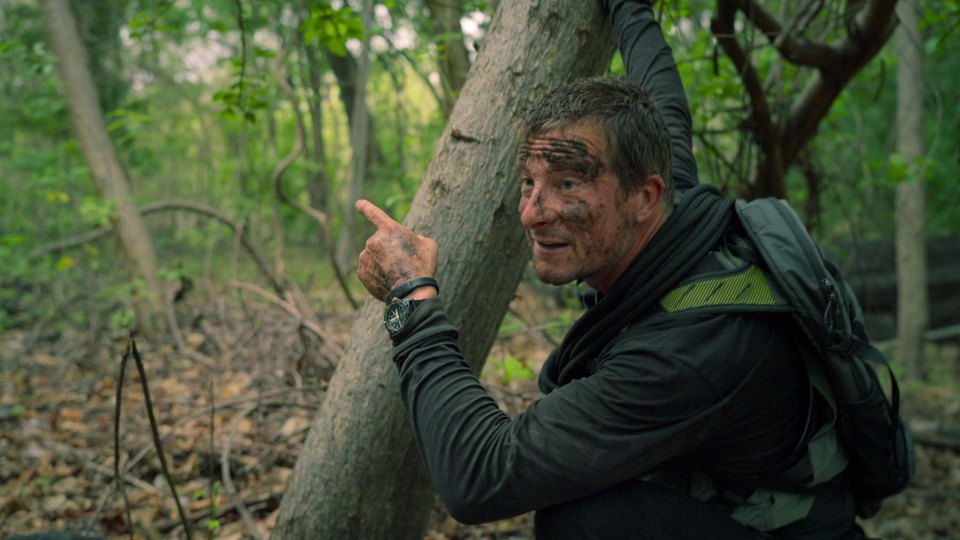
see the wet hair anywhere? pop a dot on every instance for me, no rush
(637, 141)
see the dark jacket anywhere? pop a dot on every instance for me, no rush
(722, 393)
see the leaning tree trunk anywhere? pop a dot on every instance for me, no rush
(912, 303)
(102, 160)
(360, 474)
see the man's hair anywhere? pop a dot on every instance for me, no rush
(637, 141)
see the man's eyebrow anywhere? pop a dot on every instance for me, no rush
(562, 155)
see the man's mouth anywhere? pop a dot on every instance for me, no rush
(548, 247)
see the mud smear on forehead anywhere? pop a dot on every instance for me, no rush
(562, 155)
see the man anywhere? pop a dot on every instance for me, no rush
(656, 423)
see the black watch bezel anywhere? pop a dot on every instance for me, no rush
(397, 313)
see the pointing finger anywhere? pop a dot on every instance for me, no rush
(377, 217)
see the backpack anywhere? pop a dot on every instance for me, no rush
(877, 442)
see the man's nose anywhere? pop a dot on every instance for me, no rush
(537, 209)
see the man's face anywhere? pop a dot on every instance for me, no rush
(579, 222)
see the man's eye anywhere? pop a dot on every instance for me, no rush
(526, 182)
(567, 185)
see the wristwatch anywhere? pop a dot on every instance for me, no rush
(397, 314)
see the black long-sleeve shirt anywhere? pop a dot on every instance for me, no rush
(649, 62)
(697, 388)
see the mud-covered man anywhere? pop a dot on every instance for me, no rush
(656, 423)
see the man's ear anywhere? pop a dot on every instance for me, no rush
(649, 197)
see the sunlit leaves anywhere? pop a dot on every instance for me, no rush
(64, 263)
(514, 369)
(331, 27)
(96, 210)
(58, 196)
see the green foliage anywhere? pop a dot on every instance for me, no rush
(8, 412)
(122, 320)
(331, 27)
(193, 120)
(96, 211)
(514, 369)
(245, 97)
(212, 524)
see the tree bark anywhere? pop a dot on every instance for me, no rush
(360, 474)
(101, 158)
(912, 301)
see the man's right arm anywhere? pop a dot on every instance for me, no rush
(582, 438)
(649, 63)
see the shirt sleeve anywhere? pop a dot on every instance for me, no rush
(649, 62)
(623, 420)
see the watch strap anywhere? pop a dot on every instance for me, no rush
(409, 286)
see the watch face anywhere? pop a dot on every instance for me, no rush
(396, 316)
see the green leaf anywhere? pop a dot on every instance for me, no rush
(58, 196)
(14, 411)
(65, 263)
(514, 369)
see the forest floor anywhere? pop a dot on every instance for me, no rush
(233, 413)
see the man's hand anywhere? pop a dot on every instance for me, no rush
(394, 255)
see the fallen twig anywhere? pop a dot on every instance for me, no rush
(254, 501)
(132, 348)
(333, 351)
(228, 479)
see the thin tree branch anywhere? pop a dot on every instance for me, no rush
(718, 155)
(323, 221)
(228, 485)
(868, 32)
(770, 169)
(333, 350)
(71, 241)
(161, 206)
(795, 48)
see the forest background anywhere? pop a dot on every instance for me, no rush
(198, 193)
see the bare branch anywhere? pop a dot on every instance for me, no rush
(333, 351)
(228, 485)
(765, 132)
(870, 29)
(161, 206)
(795, 48)
(323, 221)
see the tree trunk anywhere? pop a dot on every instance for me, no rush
(317, 184)
(912, 302)
(452, 58)
(360, 474)
(99, 24)
(104, 165)
(359, 138)
(345, 71)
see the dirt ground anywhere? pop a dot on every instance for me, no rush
(233, 413)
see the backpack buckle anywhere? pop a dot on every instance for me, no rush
(839, 339)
